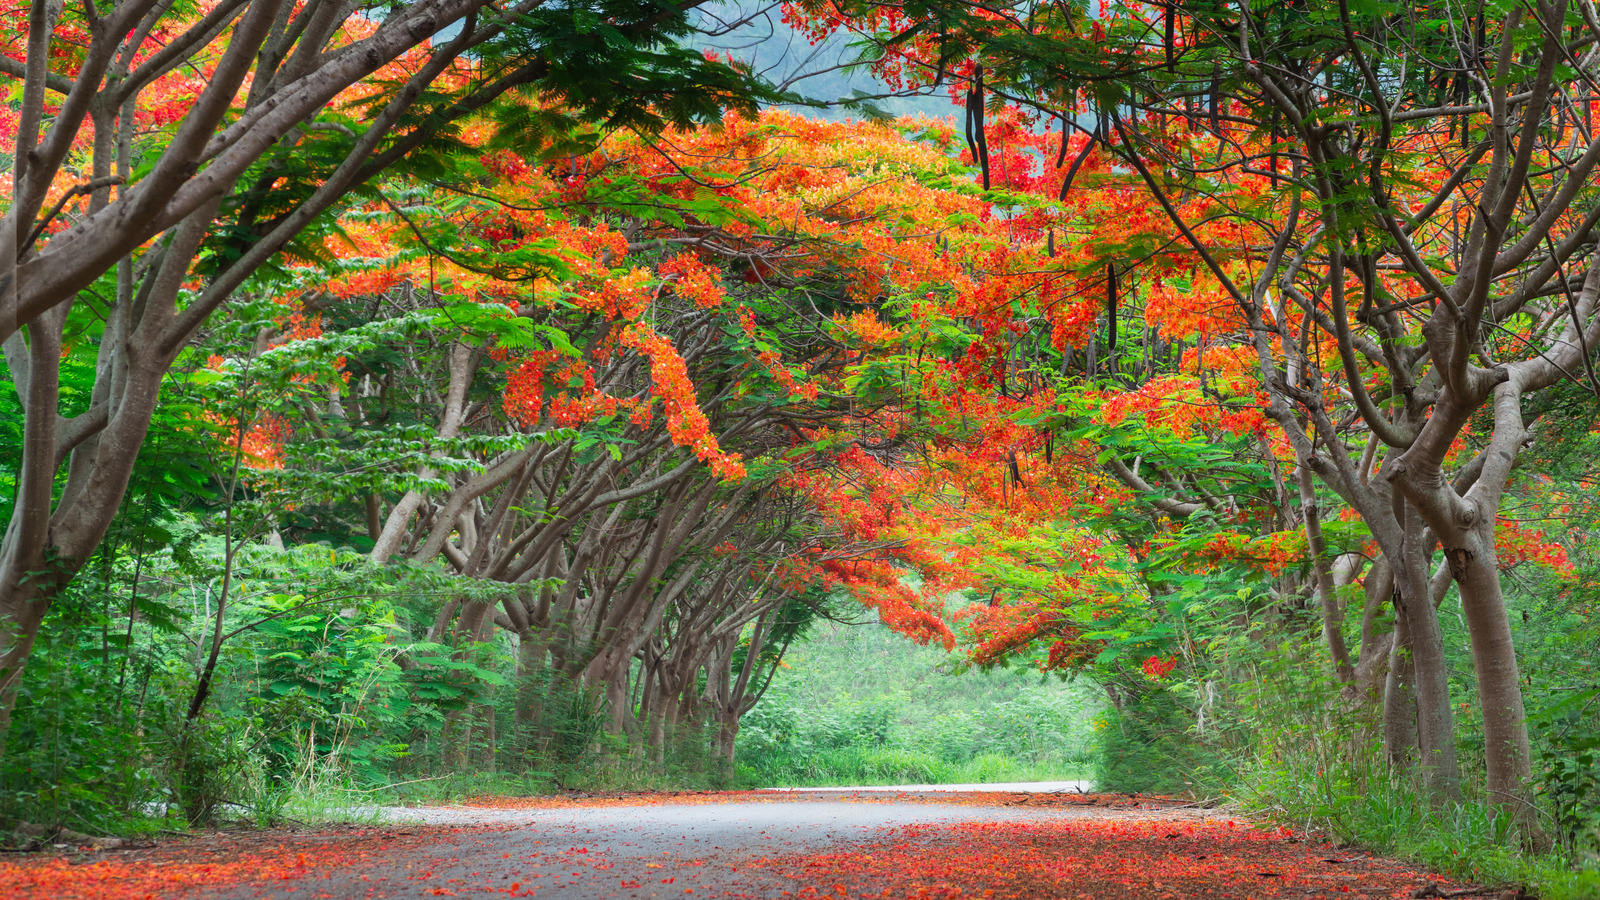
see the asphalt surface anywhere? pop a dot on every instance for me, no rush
(1014, 787)
(629, 852)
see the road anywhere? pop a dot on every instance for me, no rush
(672, 850)
(987, 845)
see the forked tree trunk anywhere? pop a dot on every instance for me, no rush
(663, 723)
(1464, 519)
(1474, 563)
(618, 702)
(51, 536)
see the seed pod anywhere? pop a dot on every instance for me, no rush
(1170, 14)
(1111, 305)
(1216, 95)
(977, 141)
(1272, 148)
(972, 145)
(978, 130)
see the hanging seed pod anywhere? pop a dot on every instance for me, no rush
(1272, 149)
(1111, 305)
(1066, 131)
(1016, 471)
(978, 129)
(1216, 95)
(1170, 15)
(972, 143)
(1050, 244)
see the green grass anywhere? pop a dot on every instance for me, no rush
(1367, 808)
(851, 766)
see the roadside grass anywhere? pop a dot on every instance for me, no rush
(1363, 806)
(855, 765)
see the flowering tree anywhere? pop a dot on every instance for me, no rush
(1389, 210)
(164, 155)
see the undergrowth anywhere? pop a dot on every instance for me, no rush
(1362, 805)
(849, 766)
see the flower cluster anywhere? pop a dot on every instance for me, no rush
(670, 383)
(1156, 668)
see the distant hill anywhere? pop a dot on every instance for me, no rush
(786, 58)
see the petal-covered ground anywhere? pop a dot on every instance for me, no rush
(1003, 846)
(1102, 859)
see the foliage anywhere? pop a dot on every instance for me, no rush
(534, 398)
(858, 706)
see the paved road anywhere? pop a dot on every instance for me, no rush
(624, 851)
(1012, 787)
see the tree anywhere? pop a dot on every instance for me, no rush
(165, 156)
(1396, 203)
(597, 387)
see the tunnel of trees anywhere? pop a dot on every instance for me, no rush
(406, 391)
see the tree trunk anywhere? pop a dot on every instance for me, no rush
(1376, 650)
(532, 687)
(1400, 699)
(662, 719)
(484, 731)
(1468, 537)
(727, 735)
(22, 610)
(1322, 569)
(1507, 755)
(1436, 739)
(621, 719)
(453, 736)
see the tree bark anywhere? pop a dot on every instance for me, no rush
(1400, 699)
(1436, 738)
(1322, 568)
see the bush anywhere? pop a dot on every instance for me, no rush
(72, 756)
